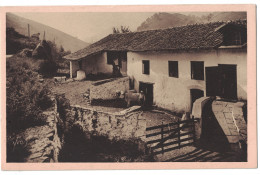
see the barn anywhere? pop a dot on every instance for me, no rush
(174, 66)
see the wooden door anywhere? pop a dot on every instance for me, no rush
(228, 77)
(147, 88)
(213, 82)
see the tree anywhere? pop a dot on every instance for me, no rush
(123, 29)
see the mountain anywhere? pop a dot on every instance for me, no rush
(228, 16)
(20, 24)
(166, 20)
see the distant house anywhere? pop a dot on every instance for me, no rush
(174, 66)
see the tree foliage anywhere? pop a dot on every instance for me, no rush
(123, 29)
(26, 96)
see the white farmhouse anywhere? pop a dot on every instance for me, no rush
(174, 66)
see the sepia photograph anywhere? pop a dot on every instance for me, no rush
(96, 87)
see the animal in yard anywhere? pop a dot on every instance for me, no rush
(134, 98)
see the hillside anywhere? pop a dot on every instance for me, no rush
(227, 16)
(166, 20)
(20, 24)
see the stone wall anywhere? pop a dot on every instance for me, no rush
(42, 142)
(231, 119)
(106, 89)
(124, 125)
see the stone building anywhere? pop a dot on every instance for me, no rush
(174, 66)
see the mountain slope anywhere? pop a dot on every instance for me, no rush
(20, 24)
(166, 20)
(228, 16)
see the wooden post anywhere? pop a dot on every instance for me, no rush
(193, 129)
(179, 133)
(162, 138)
(29, 35)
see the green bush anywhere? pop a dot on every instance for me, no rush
(26, 96)
(48, 68)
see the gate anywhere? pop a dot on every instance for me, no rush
(171, 136)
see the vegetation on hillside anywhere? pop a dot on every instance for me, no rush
(16, 42)
(167, 20)
(21, 25)
(123, 29)
(27, 94)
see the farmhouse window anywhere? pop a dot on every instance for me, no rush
(173, 69)
(197, 70)
(146, 67)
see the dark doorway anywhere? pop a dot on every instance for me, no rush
(119, 61)
(213, 81)
(195, 94)
(228, 76)
(147, 88)
(221, 81)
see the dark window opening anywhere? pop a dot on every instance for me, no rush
(146, 67)
(233, 35)
(116, 57)
(197, 70)
(173, 69)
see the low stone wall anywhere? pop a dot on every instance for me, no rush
(42, 142)
(106, 89)
(124, 125)
(231, 118)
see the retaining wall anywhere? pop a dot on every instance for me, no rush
(124, 125)
(43, 142)
(106, 89)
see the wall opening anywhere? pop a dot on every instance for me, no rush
(221, 81)
(195, 94)
(147, 88)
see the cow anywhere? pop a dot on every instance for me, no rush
(134, 98)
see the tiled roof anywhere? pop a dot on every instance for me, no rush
(197, 36)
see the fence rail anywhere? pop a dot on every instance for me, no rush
(173, 133)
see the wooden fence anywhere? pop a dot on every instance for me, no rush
(173, 134)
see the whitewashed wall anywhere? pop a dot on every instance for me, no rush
(174, 93)
(93, 64)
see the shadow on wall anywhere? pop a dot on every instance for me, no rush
(80, 146)
(212, 136)
(115, 103)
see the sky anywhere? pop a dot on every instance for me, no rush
(88, 26)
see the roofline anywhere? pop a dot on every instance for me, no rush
(217, 29)
(177, 50)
